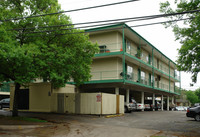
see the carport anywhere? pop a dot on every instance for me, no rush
(129, 90)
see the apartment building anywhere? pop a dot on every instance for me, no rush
(129, 65)
(126, 65)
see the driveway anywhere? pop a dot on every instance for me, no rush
(148, 123)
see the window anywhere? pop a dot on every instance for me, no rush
(142, 75)
(147, 59)
(128, 44)
(129, 72)
(143, 79)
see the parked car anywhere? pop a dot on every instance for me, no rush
(194, 113)
(196, 104)
(5, 103)
(171, 106)
(131, 106)
(140, 106)
(179, 108)
(149, 105)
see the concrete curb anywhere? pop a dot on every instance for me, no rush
(110, 116)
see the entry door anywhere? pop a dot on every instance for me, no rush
(60, 103)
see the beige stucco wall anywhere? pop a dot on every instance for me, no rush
(121, 104)
(109, 68)
(172, 72)
(155, 62)
(42, 98)
(69, 106)
(67, 89)
(172, 86)
(112, 40)
(108, 103)
(89, 104)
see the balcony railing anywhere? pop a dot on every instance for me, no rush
(110, 47)
(106, 75)
(116, 47)
(117, 74)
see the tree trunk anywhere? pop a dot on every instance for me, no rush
(15, 102)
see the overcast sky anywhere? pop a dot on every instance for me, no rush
(162, 38)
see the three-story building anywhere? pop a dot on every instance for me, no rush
(128, 64)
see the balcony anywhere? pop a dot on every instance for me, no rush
(106, 75)
(110, 47)
(105, 48)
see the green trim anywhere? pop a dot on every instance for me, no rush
(123, 59)
(150, 79)
(126, 26)
(141, 61)
(153, 66)
(148, 42)
(137, 83)
(139, 75)
(105, 27)
(104, 81)
(169, 78)
(108, 54)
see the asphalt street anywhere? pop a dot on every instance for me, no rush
(135, 124)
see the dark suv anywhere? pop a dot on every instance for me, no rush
(194, 113)
(5, 103)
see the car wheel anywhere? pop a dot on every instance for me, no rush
(197, 117)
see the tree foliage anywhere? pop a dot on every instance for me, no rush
(30, 49)
(187, 33)
(192, 97)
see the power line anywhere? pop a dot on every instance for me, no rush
(99, 6)
(101, 25)
(160, 22)
(109, 29)
(122, 20)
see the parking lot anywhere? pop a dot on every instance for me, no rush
(148, 123)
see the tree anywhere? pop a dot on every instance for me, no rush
(187, 33)
(197, 93)
(31, 49)
(192, 97)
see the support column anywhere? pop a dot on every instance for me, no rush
(142, 99)
(162, 102)
(153, 101)
(167, 103)
(117, 91)
(172, 102)
(127, 95)
(172, 99)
